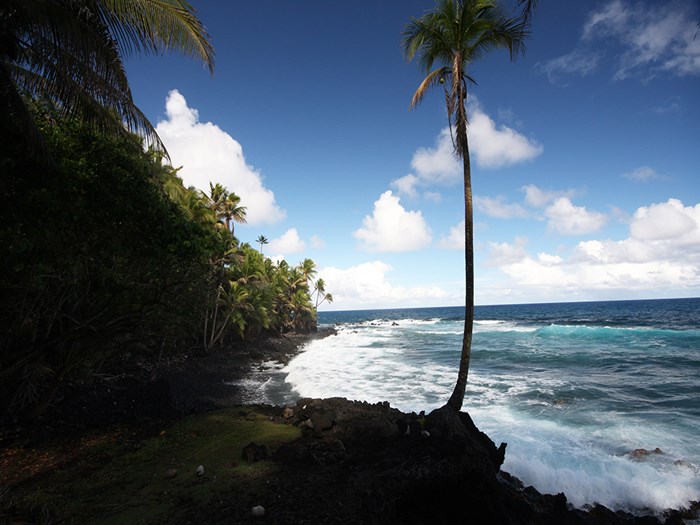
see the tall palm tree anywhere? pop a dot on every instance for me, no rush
(447, 40)
(70, 53)
(234, 212)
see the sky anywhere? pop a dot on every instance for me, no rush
(585, 150)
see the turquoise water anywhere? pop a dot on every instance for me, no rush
(572, 388)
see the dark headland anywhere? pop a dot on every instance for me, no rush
(172, 443)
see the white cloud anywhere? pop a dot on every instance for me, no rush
(288, 243)
(406, 186)
(209, 154)
(497, 146)
(642, 174)
(539, 198)
(366, 285)
(498, 208)
(568, 219)
(660, 255)
(643, 39)
(438, 165)
(391, 228)
(455, 239)
(491, 146)
(503, 253)
(668, 222)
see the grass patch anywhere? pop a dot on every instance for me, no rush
(116, 478)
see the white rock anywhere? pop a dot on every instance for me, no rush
(200, 470)
(258, 511)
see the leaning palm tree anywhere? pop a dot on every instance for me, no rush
(447, 40)
(70, 53)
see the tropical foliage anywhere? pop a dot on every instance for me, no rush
(108, 258)
(447, 40)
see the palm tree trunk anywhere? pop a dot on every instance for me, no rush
(457, 397)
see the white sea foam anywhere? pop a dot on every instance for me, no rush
(587, 465)
(501, 326)
(348, 365)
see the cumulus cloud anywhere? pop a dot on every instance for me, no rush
(497, 146)
(497, 207)
(406, 186)
(209, 154)
(644, 40)
(491, 146)
(539, 198)
(668, 222)
(661, 252)
(289, 242)
(562, 215)
(568, 219)
(391, 228)
(504, 254)
(432, 166)
(367, 285)
(455, 239)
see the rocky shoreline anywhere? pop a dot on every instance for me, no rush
(354, 462)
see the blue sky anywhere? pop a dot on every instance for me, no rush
(585, 151)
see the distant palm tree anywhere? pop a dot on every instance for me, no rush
(70, 53)
(452, 36)
(321, 295)
(262, 240)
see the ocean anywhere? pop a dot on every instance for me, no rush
(574, 389)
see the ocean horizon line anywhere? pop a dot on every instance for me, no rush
(437, 307)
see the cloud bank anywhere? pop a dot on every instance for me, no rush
(209, 154)
(661, 252)
(366, 286)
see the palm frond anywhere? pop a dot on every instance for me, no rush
(157, 26)
(433, 78)
(69, 52)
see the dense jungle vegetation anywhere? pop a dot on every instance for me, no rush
(107, 257)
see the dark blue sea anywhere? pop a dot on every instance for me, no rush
(574, 389)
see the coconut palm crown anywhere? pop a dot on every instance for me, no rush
(446, 41)
(69, 53)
